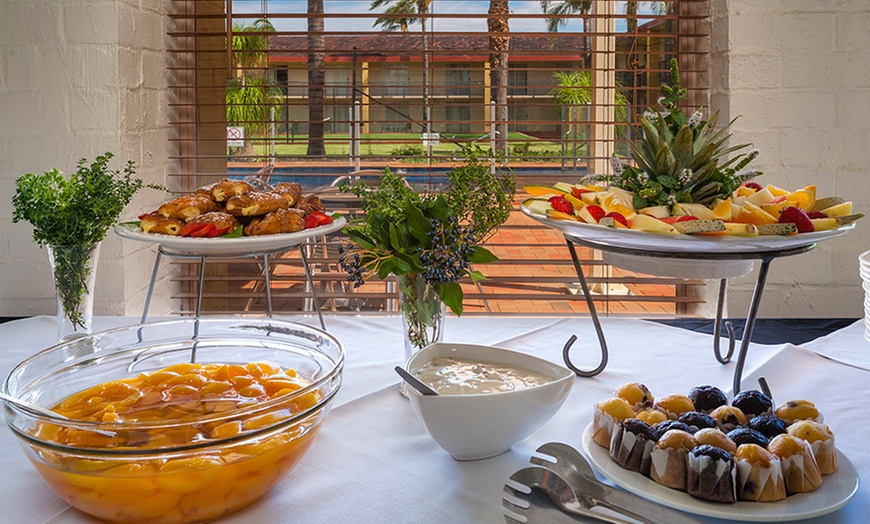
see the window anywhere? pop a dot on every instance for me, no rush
(404, 82)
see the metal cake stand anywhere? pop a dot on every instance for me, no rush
(766, 257)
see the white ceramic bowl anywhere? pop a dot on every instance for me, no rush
(478, 426)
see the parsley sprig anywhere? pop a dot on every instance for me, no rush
(75, 214)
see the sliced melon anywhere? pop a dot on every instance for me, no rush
(752, 214)
(825, 224)
(696, 210)
(848, 219)
(558, 215)
(760, 197)
(535, 190)
(656, 211)
(735, 229)
(838, 210)
(563, 186)
(576, 202)
(538, 206)
(652, 225)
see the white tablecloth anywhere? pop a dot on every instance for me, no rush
(373, 461)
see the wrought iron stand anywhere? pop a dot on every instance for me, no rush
(161, 251)
(766, 257)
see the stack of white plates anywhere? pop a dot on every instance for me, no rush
(864, 268)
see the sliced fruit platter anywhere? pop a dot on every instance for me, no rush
(762, 217)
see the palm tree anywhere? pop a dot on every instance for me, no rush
(574, 90)
(498, 26)
(562, 8)
(316, 78)
(249, 99)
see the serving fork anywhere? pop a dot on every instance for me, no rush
(546, 487)
(572, 466)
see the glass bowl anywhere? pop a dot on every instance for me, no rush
(161, 469)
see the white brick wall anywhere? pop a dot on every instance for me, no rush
(799, 74)
(73, 84)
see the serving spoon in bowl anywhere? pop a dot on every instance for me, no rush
(33, 408)
(415, 382)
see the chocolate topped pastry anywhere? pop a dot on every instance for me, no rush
(668, 425)
(707, 398)
(768, 425)
(632, 443)
(748, 436)
(697, 420)
(711, 474)
(753, 403)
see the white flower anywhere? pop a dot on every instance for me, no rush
(696, 118)
(661, 100)
(672, 199)
(617, 165)
(685, 176)
(643, 178)
(748, 173)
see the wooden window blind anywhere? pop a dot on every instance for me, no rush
(322, 88)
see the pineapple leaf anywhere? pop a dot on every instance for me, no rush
(683, 147)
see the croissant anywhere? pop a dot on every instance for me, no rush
(290, 190)
(255, 203)
(309, 204)
(226, 189)
(161, 224)
(220, 219)
(280, 221)
(187, 207)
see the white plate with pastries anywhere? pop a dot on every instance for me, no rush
(686, 244)
(836, 491)
(217, 246)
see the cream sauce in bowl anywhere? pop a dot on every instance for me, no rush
(460, 376)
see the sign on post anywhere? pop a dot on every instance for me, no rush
(431, 139)
(235, 136)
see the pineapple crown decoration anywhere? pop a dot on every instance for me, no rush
(677, 158)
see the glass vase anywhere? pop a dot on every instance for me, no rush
(423, 315)
(74, 268)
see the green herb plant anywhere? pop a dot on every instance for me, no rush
(680, 158)
(436, 236)
(74, 215)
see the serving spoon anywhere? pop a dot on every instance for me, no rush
(33, 408)
(415, 382)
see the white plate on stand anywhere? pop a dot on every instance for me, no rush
(835, 492)
(228, 246)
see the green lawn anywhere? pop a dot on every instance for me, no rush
(408, 147)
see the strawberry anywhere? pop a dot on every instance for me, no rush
(322, 218)
(310, 221)
(218, 231)
(576, 191)
(753, 185)
(191, 227)
(817, 214)
(619, 217)
(560, 204)
(686, 218)
(151, 214)
(798, 217)
(596, 211)
(206, 228)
